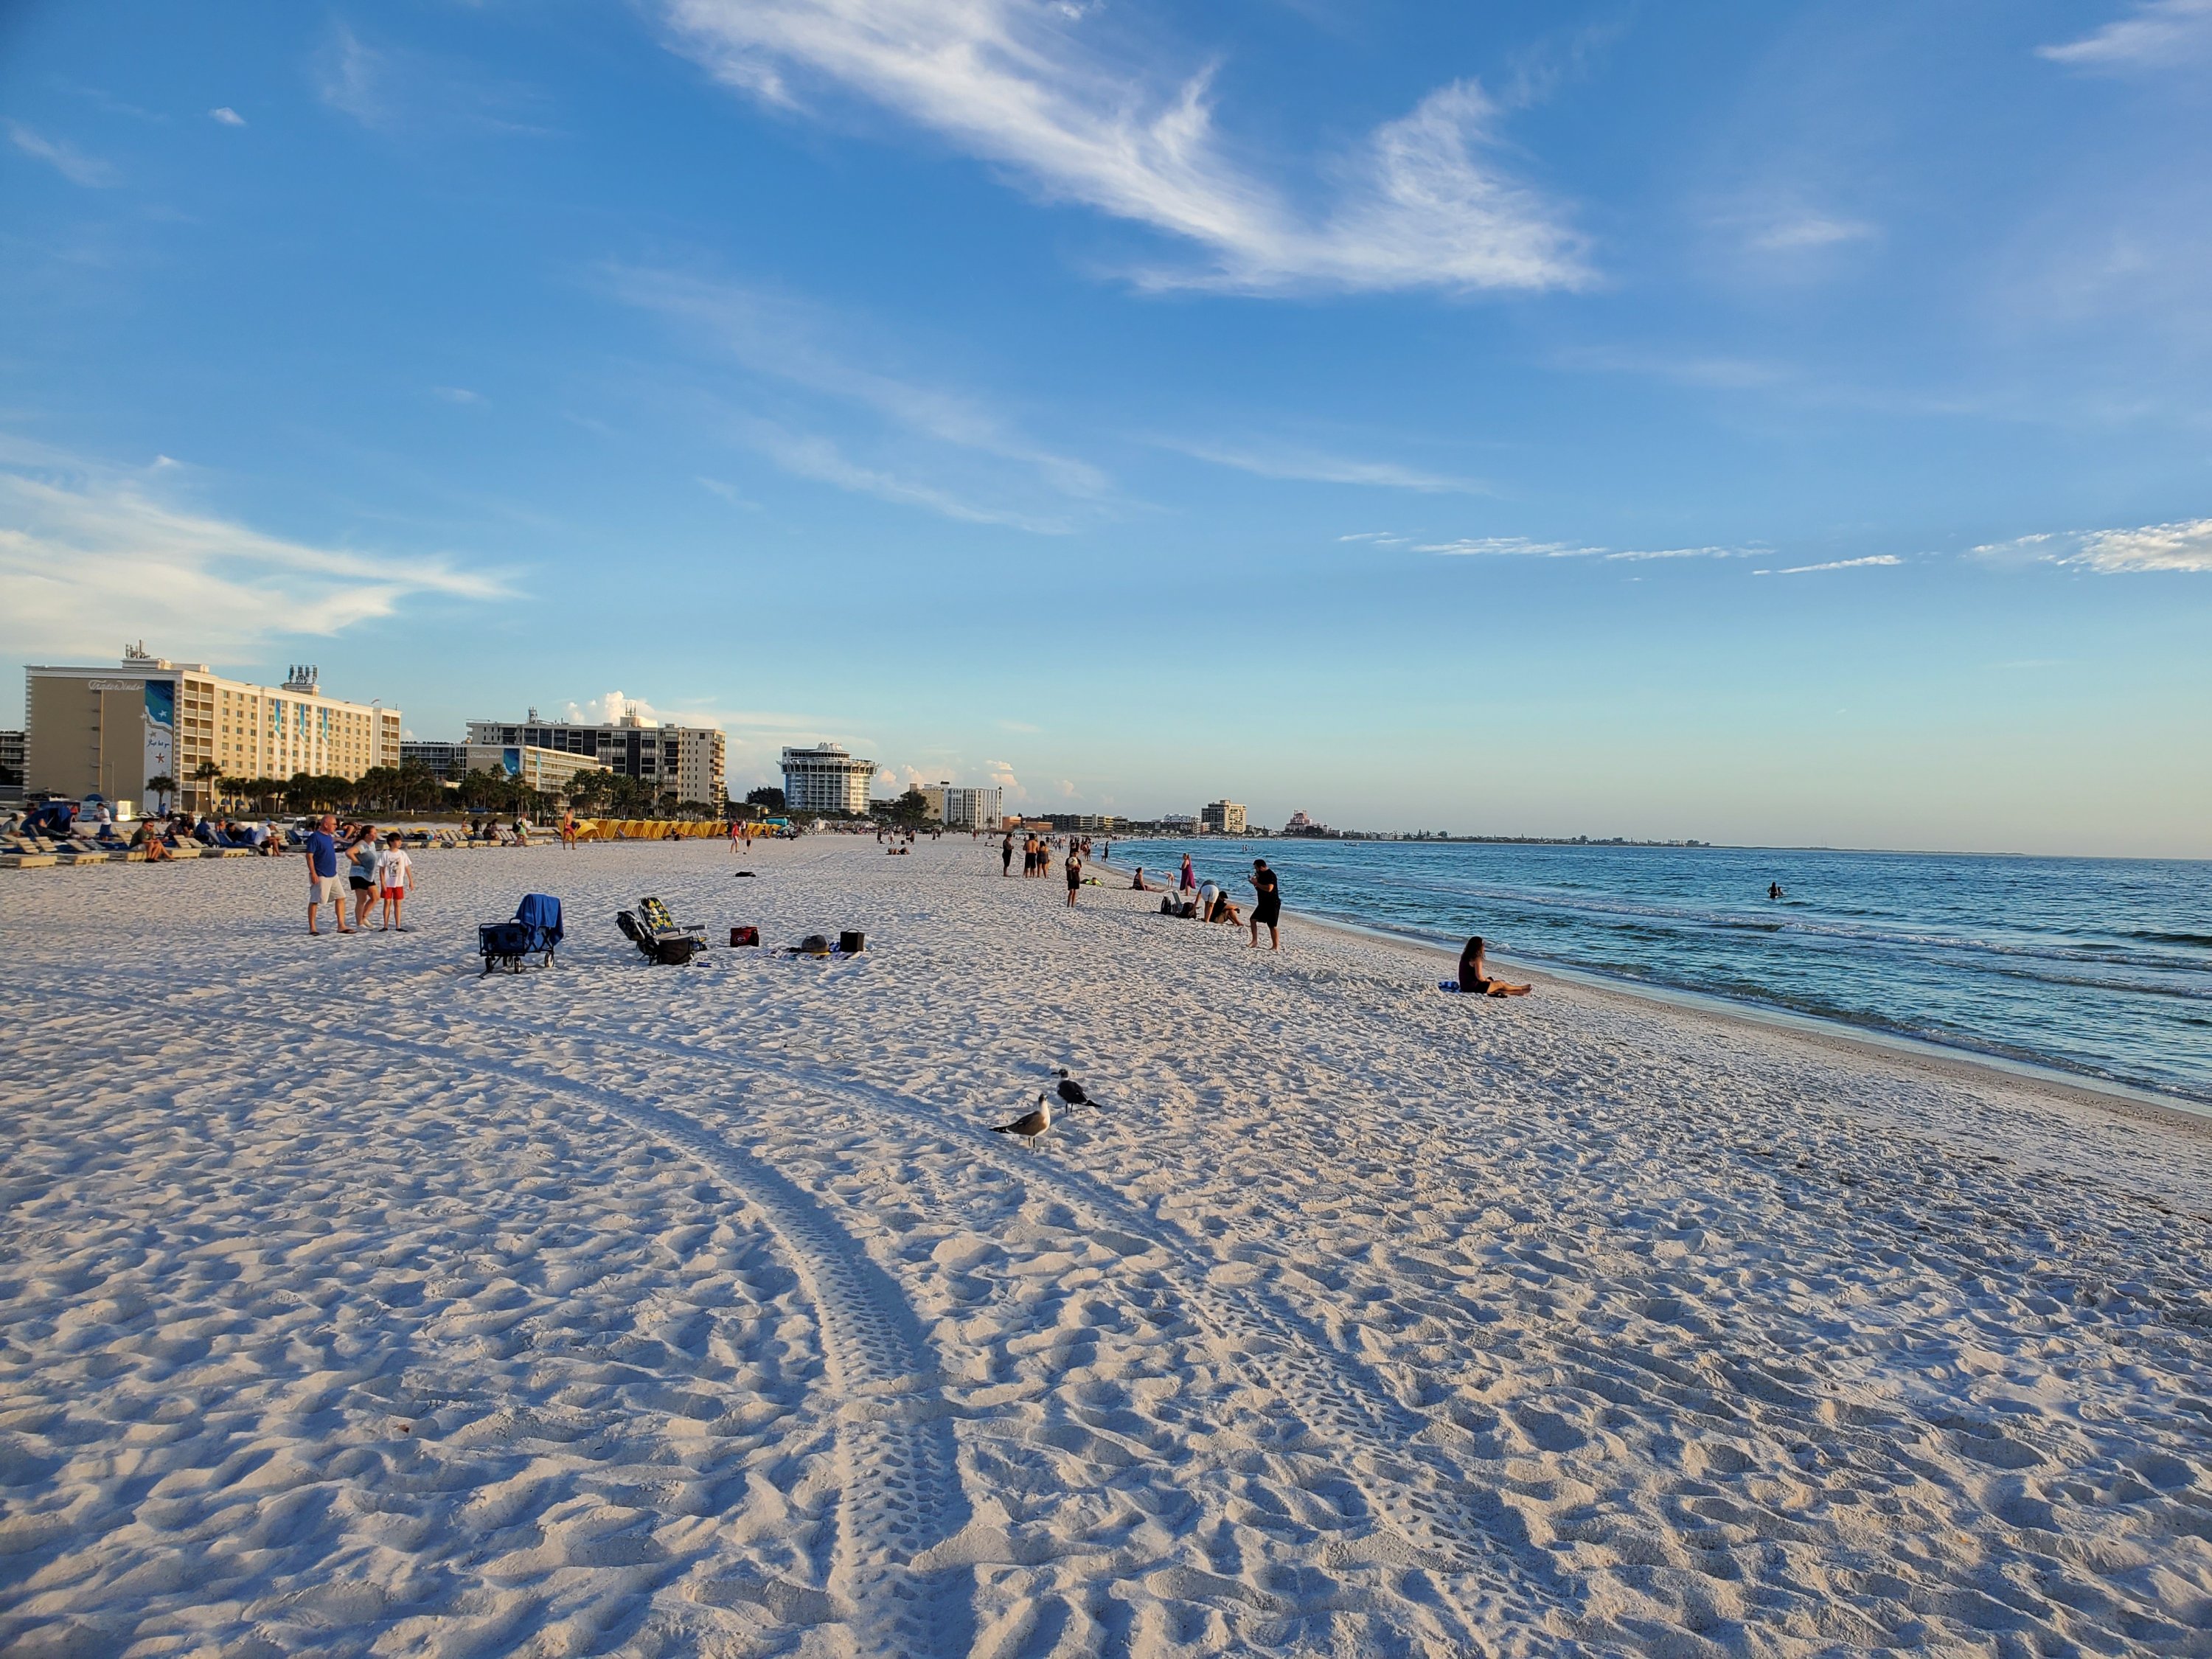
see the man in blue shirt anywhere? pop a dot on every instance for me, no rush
(323, 886)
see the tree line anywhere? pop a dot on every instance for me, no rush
(414, 787)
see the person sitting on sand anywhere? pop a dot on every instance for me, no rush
(1140, 885)
(1475, 980)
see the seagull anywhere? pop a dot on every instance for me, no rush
(1029, 1125)
(1070, 1090)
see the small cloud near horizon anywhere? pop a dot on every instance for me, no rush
(1833, 564)
(2184, 545)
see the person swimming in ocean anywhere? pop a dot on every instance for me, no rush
(1774, 889)
(1474, 981)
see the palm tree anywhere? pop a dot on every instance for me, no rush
(206, 775)
(162, 785)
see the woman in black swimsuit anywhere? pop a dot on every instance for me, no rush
(1475, 982)
(1267, 909)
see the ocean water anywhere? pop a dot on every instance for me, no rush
(2100, 967)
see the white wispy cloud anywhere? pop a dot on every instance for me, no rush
(90, 552)
(1832, 564)
(1313, 466)
(2184, 545)
(2157, 34)
(350, 77)
(72, 163)
(456, 394)
(401, 93)
(1508, 546)
(728, 492)
(802, 346)
(1523, 547)
(227, 116)
(812, 455)
(1810, 230)
(1684, 368)
(1422, 202)
(797, 342)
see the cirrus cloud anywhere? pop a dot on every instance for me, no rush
(90, 552)
(1422, 202)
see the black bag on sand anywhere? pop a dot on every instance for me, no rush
(851, 943)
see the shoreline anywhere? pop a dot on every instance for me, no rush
(2110, 1095)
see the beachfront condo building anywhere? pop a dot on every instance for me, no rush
(11, 758)
(971, 809)
(683, 760)
(1222, 817)
(962, 809)
(546, 770)
(99, 731)
(1083, 823)
(826, 779)
(447, 761)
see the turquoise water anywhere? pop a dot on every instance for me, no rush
(2101, 967)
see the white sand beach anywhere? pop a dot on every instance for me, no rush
(352, 1303)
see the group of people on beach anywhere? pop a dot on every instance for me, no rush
(1208, 902)
(374, 870)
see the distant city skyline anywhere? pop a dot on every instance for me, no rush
(1719, 423)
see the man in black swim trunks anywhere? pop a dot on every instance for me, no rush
(1268, 908)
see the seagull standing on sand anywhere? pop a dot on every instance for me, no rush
(1029, 1125)
(1070, 1090)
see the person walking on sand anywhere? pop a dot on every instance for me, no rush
(395, 875)
(1475, 978)
(321, 848)
(568, 829)
(1268, 907)
(1006, 856)
(1074, 875)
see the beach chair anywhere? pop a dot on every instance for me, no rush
(657, 935)
(535, 932)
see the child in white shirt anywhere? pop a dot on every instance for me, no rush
(395, 874)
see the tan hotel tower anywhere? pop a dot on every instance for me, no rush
(104, 731)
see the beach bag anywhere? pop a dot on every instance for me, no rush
(852, 943)
(674, 952)
(744, 936)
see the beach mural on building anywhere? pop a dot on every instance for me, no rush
(160, 729)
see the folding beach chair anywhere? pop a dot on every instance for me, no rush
(657, 934)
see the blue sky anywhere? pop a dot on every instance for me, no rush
(1726, 420)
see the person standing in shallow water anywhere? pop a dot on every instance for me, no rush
(1267, 907)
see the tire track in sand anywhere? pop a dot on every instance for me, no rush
(899, 1489)
(1335, 1398)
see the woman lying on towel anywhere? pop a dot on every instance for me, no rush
(1475, 981)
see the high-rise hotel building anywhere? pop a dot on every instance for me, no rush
(826, 779)
(684, 760)
(106, 730)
